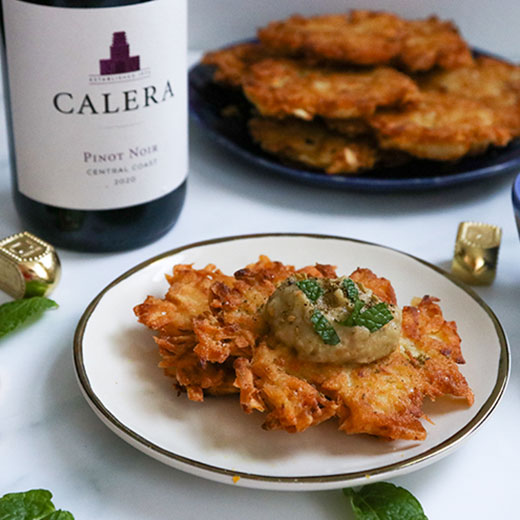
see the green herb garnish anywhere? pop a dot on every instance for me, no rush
(351, 289)
(384, 501)
(324, 329)
(311, 289)
(351, 321)
(35, 288)
(374, 318)
(14, 314)
(31, 505)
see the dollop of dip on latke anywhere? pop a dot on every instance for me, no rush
(333, 320)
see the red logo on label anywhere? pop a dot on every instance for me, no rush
(120, 60)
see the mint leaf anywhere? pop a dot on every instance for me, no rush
(31, 505)
(311, 289)
(324, 329)
(375, 317)
(351, 289)
(14, 314)
(352, 319)
(35, 288)
(384, 501)
(35, 504)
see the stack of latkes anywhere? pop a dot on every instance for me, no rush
(345, 93)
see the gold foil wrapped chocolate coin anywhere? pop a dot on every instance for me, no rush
(476, 253)
(29, 266)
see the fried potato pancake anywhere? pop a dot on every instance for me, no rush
(207, 317)
(174, 318)
(433, 43)
(361, 37)
(369, 38)
(493, 82)
(442, 126)
(313, 144)
(282, 88)
(231, 63)
(354, 127)
(213, 340)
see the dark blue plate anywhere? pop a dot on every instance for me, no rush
(516, 202)
(207, 101)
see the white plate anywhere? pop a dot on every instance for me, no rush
(116, 363)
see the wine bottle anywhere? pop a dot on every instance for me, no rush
(96, 103)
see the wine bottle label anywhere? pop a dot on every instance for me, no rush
(98, 102)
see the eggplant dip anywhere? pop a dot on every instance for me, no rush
(333, 320)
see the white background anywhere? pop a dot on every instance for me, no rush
(50, 438)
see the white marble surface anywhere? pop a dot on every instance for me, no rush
(49, 437)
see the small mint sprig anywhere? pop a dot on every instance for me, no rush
(324, 328)
(31, 505)
(353, 317)
(14, 314)
(384, 501)
(351, 290)
(310, 288)
(373, 318)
